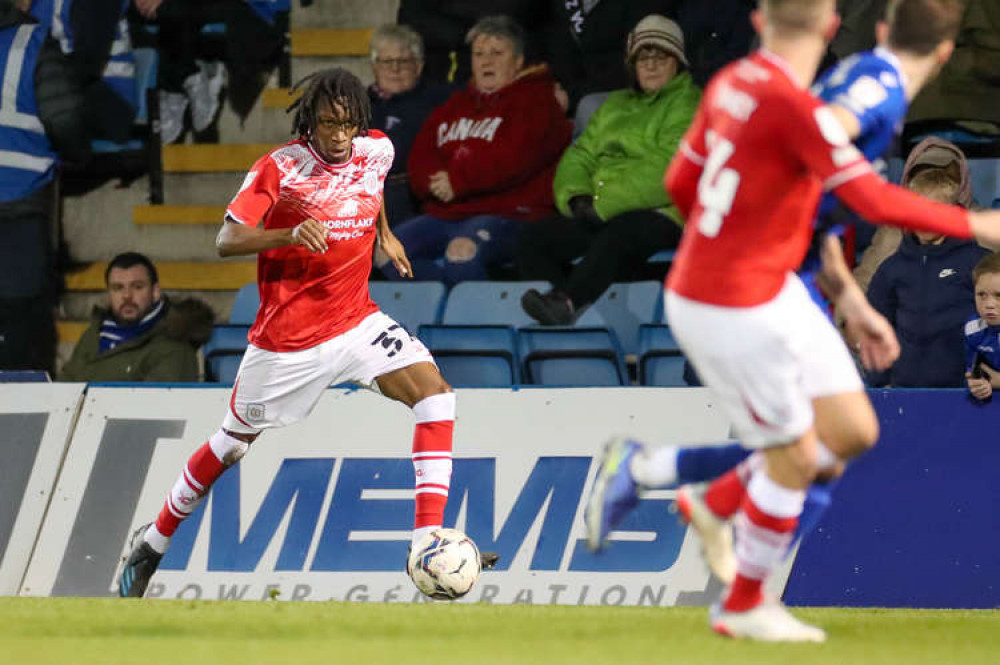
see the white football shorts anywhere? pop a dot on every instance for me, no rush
(766, 363)
(274, 389)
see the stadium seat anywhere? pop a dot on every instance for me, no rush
(411, 304)
(245, 305)
(660, 362)
(985, 177)
(492, 303)
(24, 376)
(224, 351)
(577, 356)
(623, 307)
(482, 356)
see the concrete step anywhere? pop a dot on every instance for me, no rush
(330, 42)
(78, 305)
(345, 13)
(219, 275)
(70, 331)
(178, 214)
(213, 157)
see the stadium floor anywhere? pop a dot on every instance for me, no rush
(108, 632)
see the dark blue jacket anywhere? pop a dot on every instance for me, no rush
(401, 116)
(926, 292)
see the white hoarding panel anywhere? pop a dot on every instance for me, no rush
(322, 509)
(35, 424)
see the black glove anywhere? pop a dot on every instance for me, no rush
(582, 208)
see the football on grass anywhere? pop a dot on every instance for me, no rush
(444, 564)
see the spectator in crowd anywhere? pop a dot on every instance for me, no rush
(716, 33)
(400, 104)
(94, 35)
(483, 162)
(140, 335)
(931, 153)
(982, 332)
(180, 80)
(583, 45)
(444, 24)
(609, 184)
(857, 26)
(968, 87)
(926, 292)
(42, 122)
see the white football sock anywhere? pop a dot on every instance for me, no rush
(655, 466)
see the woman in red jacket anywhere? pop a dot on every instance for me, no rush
(484, 161)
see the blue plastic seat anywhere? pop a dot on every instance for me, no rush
(474, 356)
(623, 307)
(224, 351)
(493, 303)
(985, 177)
(660, 362)
(411, 304)
(578, 356)
(245, 305)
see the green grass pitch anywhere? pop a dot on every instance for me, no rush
(39, 631)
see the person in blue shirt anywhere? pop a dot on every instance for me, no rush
(869, 94)
(94, 35)
(40, 123)
(982, 332)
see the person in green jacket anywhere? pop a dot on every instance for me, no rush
(140, 336)
(616, 212)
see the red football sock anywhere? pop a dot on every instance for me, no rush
(432, 471)
(202, 469)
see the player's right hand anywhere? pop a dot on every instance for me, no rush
(985, 226)
(311, 235)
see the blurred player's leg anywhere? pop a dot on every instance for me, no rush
(628, 467)
(765, 526)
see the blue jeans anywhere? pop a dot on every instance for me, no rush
(426, 240)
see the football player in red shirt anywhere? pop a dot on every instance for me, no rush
(748, 179)
(312, 211)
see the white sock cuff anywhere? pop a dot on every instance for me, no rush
(773, 499)
(435, 408)
(224, 446)
(825, 458)
(155, 539)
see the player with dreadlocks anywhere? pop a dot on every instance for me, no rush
(311, 210)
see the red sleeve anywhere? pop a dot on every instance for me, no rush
(882, 203)
(425, 158)
(820, 142)
(530, 137)
(257, 194)
(684, 172)
(823, 145)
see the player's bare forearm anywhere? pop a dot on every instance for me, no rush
(393, 249)
(237, 239)
(834, 277)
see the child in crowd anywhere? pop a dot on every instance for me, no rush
(982, 332)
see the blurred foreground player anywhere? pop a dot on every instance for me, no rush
(748, 179)
(869, 93)
(312, 211)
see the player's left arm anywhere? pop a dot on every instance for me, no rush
(869, 332)
(390, 244)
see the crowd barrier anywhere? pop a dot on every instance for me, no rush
(321, 510)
